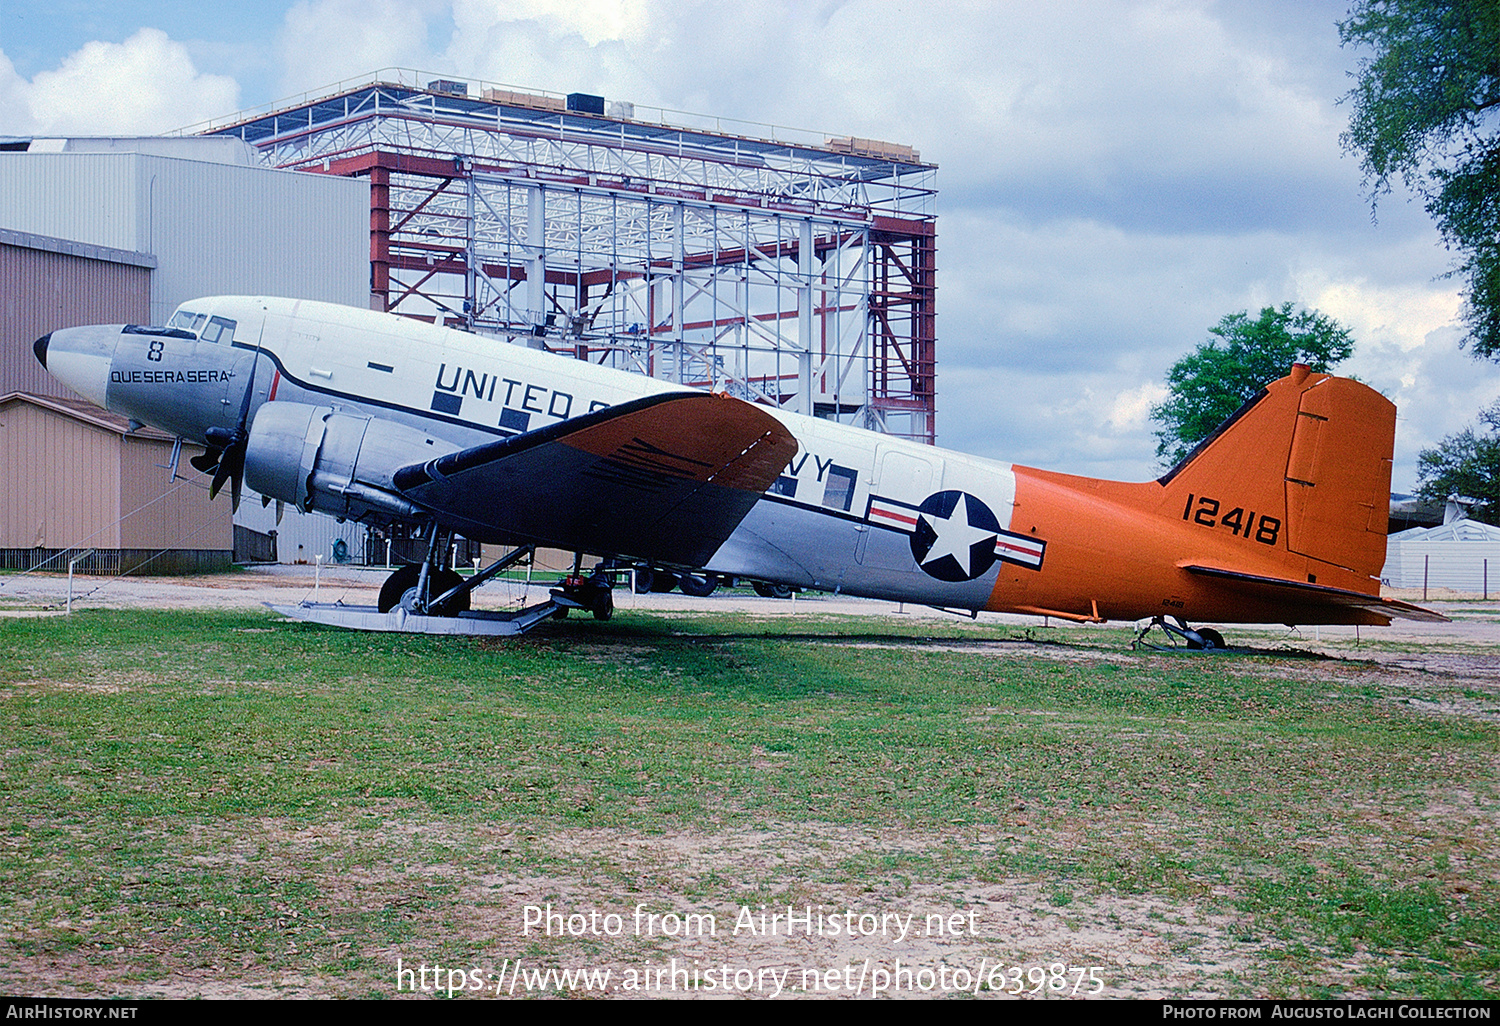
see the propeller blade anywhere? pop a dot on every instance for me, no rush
(280, 510)
(229, 448)
(233, 466)
(207, 460)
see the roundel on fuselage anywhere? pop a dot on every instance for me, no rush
(954, 539)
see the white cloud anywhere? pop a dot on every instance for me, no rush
(593, 21)
(326, 41)
(143, 86)
(1132, 408)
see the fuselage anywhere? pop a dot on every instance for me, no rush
(854, 512)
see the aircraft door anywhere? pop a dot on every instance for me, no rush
(902, 480)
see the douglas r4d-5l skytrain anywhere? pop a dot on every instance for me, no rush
(1279, 517)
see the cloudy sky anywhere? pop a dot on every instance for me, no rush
(1114, 177)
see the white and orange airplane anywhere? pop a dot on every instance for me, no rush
(1279, 517)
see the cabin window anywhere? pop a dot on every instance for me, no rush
(838, 489)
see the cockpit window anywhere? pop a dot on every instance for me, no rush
(220, 329)
(209, 329)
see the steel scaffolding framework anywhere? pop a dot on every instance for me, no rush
(798, 271)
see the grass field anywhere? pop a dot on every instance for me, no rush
(222, 804)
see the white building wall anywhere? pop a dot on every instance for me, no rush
(1460, 566)
(1462, 556)
(82, 197)
(221, 229)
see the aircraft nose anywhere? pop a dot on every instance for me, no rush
(80, 358)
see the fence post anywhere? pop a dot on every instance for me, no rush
(1425, 558)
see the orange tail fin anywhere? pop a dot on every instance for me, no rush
(1309, 457)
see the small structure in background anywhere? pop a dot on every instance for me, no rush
(1461, 555)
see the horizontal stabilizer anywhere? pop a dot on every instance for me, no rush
(666, 478)
(1301, 595)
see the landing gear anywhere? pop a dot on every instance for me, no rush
(1211, 638)
(400, 589)
(778, 591)
(398, 584)
(432, 598)
(592, 593)
(431, 588)
(1204, 639)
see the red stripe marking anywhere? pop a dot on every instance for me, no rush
(1017, 547)
(275, 381)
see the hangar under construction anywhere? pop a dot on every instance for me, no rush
(773, 264)
(778, 265)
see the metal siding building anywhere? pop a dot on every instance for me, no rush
(48, 283)
(1462, 556)
(213, 228)
(77, 479)
(122, 231)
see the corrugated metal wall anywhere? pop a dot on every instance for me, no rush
(220, 228)
(301, 537)
(214, 228)
(41, 291)
(71, 484)
(171, 513)
(85, 197)
(62, 480)
(1459, 565)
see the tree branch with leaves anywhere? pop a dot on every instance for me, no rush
(1426, 111)
(1208, 385)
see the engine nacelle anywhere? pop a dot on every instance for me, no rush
(323, 461)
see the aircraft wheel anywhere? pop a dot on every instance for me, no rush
(698, 585)
(663, 581)
(764, 590)
(560, 613)
(397, 585)
(1211, 638)
(603, 604)
(644, 578)
(405, 579)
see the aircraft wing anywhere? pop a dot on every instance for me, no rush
(1302, 594)
(666, 478)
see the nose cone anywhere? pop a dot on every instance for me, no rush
(80, 358)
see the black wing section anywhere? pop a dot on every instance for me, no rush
(666, 479)
(1298, 593)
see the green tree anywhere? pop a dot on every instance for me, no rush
(1426, 110)
(1205, 387)
(1466, 464)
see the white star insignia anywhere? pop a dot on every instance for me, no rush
(956, 537)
